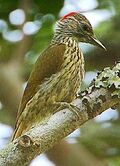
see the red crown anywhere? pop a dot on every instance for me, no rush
(68, 15)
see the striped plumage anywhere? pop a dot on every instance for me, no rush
(58, 72)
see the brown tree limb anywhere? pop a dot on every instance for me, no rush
(101, 95)
(10, 88)
(10, 73)
(72, 154)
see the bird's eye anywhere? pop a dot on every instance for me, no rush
(85, 27)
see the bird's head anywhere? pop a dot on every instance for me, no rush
(77, 26)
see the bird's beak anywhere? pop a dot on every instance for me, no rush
(96, 42)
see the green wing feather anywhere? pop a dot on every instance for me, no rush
(48, 63)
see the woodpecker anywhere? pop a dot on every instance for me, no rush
(58, 71)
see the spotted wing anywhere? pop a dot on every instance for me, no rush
(48, 63)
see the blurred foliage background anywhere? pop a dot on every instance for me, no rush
(26, 28)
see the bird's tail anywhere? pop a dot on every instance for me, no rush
(19, 130)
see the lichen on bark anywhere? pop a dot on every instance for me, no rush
(103, 93)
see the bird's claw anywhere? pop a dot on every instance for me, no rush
(71, 107)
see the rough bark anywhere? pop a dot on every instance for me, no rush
(101, 95)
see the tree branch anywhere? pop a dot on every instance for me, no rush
(64, 154)
(102, 94)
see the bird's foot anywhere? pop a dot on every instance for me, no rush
(71, 107)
